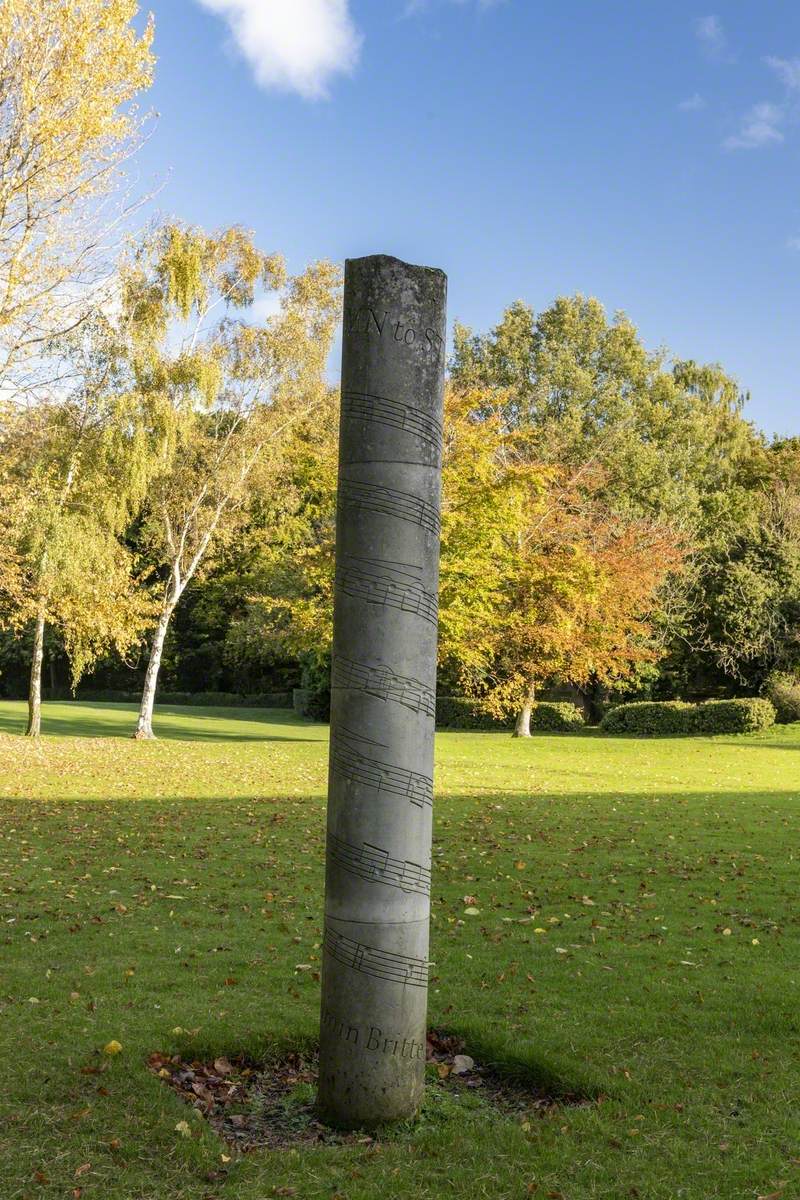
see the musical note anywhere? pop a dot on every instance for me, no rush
(397, 968)
(364, 406)
(351, 763)
(374, 864)
(381, 682)
(398, 586)
(369, 497)
(379, 857)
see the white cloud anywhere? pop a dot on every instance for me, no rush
(793, 243)
(692, 103)
(759, 128)
(787, 70)
(712, 37)
(294, 45)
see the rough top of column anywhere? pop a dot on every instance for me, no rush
(394, 330)
(390, 259)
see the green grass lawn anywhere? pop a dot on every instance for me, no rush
(637, 939)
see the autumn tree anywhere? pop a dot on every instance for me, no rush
(70, 71)
(540, 579)
(77, 468)
(223, 392)
(584, 601)
(649, 439)
(535, 581)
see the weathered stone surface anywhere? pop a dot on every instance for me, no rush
(377, 907)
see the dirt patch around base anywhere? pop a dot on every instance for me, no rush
(272, 1105)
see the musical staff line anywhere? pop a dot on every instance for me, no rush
(396, 587)
(381, 682)
(350, 763)
(364, 406)
(397, 968)
(369, 497)
(374, 864)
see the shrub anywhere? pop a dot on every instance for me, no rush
(557, 716)
(270, 700)
(783, 690)
(315, 686)
(461, 712)
(733, 716)
(649, 717)
(677, 717)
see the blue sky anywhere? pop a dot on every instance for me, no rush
(643, 153)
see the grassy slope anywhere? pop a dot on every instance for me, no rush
(146, 887)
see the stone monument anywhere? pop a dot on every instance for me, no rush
(383, 694)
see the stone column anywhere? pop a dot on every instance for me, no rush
(383, 691)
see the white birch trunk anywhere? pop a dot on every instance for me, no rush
(144, 725)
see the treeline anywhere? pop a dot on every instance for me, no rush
(611, 521)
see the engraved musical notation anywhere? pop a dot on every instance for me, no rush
(349, 761)
(395, 585)
(370, 497)
(397, 968)
(381, 682)
(364, 406)
(373, 863)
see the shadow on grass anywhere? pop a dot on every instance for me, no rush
(522, 1069)
(173, 723)
(444, 802)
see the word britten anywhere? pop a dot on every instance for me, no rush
(383, 687)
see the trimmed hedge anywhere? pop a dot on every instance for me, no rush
(744, 715)
(227, 699)
(460, 712)
(783, 690)
(734, 716)
(192, 699)
(648, 716)
(316, 706)
(557, 716)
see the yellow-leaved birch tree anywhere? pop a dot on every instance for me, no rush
(70, 71)
(74, 471)
(223, 393)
